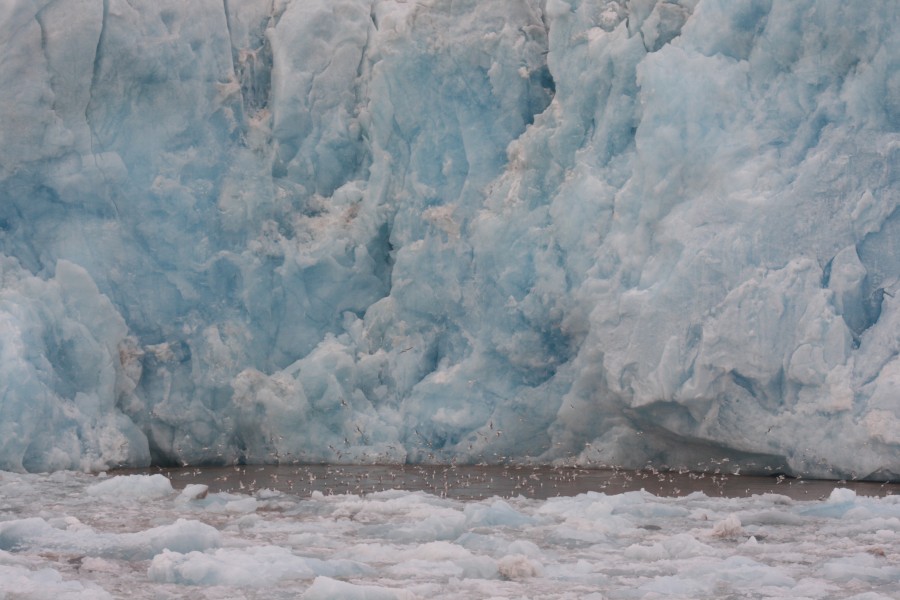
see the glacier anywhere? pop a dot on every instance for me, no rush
(380, 231)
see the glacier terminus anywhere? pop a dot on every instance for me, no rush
(386, 231)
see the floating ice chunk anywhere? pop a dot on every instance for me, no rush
(42, 584)
(132, 487)
(194, 491)
(442, 525)
(867, 568)
(839, 503)
(444, 559)
(518, 566)
(242, 506)
(437, 551)
(183, 536)
(682, 545)
(253, 567)
(99, 565)
(678, 587)
(728, 527)
(15, 531)
(498, 513)
(841, 496)
(773, 517)
(325, 588)
(744, 572)
(525, 547)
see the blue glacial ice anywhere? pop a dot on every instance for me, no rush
(387, 231)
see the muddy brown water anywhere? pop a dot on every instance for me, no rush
(480, 482)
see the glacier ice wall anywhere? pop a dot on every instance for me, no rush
(379, 230)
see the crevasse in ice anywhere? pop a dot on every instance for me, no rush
(386, 231)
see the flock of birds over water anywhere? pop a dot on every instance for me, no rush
(472, 482)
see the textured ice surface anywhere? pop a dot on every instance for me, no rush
(59, 540)
(378, 230)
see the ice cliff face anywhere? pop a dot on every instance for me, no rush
(378, 230)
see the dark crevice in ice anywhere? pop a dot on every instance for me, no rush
(381, 251)
(878, 253)
(39, 17)
(373, 16)
(743, 382)
(230, 33)
(252, 67)
(95, 75)
(660, 425)
(826, 273)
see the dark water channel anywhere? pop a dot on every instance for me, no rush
(479, 482)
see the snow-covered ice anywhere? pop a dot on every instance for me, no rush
(67, 535)
(386, 231)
